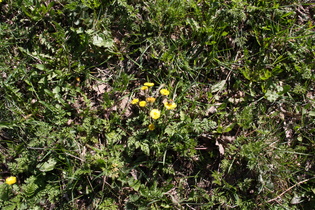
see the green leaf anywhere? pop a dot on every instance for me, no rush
(7, 125)
(265, 74)
(224, 33)
(47, 166)
(218, 86)
(56, 90)
(40, 66)
(225, 129)
(4, 195)
(311, 113)
(101, 41)
(30, 186)
(271, 96)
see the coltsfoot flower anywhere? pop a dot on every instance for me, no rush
(142, 103)
(155, 114)
(164, 92)
(149, 84)
(150, 99)
(135, 101)
(151, 127)
(144, 87)
(10, 180)
(170, 105)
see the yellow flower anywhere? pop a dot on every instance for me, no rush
(170, 105)
(149, 84)
(151, 127)
(10, 180)
(135, 101)
(142, 103)
(144, 87)
(155, 113)
(150, 99)
(164, 92)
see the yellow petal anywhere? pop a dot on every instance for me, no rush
(164, 92)
(170, 105)
(135, 101)
(142, 103)
(155, 113)
(10, 180)
(150, 99)
(149, 84)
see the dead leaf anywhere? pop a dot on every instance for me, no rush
(228, 138)
(221, 148)
(100, 88)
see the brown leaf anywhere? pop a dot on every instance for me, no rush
(221, 148)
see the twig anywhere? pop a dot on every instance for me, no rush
(74, 156)
(124, 130)
(201, 148)
(271, 200)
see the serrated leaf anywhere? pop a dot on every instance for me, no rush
(271, 96)
(6, 125)
(145, 148)
(30, 189)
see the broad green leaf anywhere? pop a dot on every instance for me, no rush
(40, 66)
(47, 166)
(56, 90)
(101, 41)
(218, 86)
(311, 113)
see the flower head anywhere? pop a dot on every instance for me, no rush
(149, 84)
(142, 103)
(144, 87)
(151, 127)
(150, 99)
(164, 92)
(170, 105)
(10, 180)
(155, 113)
(135, 101)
